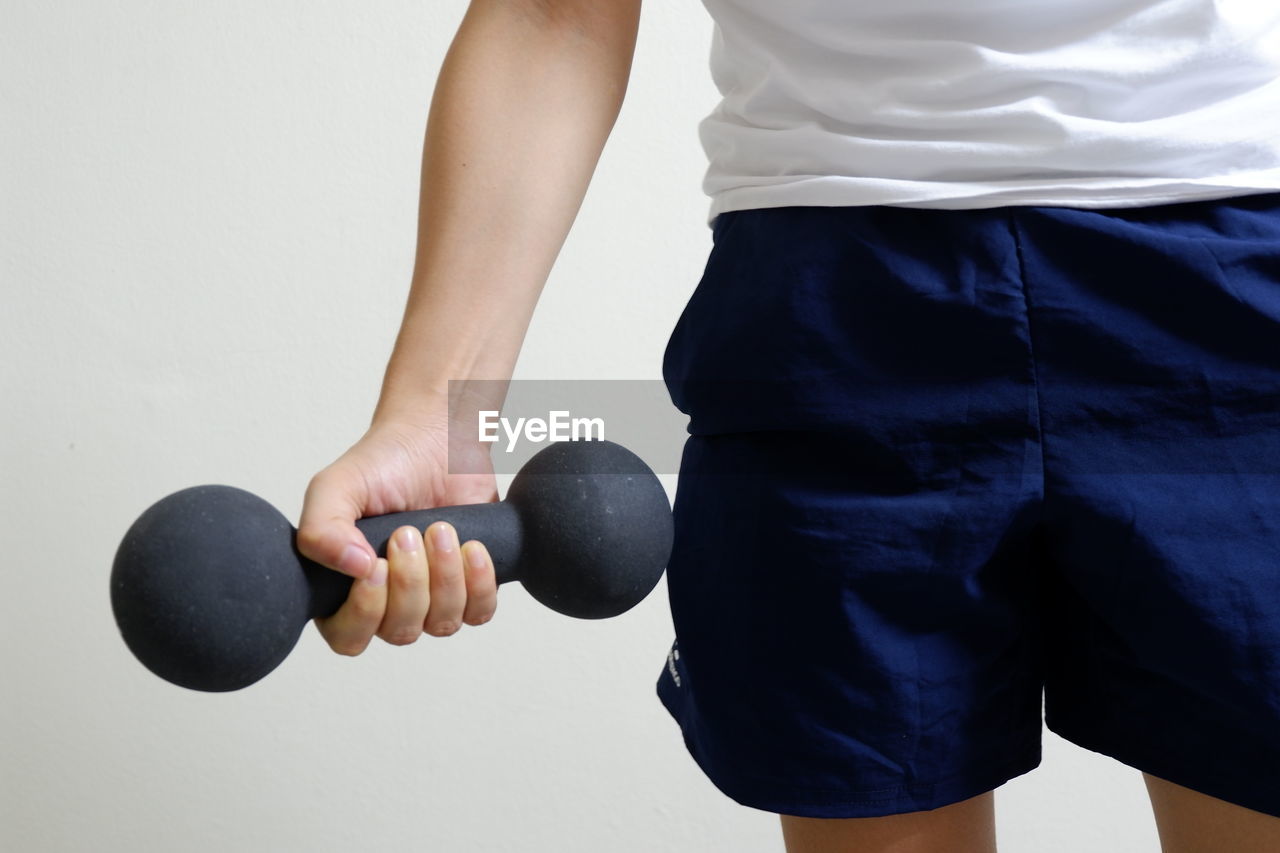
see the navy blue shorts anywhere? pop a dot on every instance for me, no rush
(950, 470)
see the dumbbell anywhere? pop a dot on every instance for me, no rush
(210, 592)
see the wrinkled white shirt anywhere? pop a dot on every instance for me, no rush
(983, 103)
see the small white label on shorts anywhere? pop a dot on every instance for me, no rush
(672, 657)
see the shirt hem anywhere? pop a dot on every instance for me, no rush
(851, 192)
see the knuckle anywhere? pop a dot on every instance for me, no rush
(403, 636)
(365, 611)
(348, 647)
(320, 483)
(442, 629)
(408, 580)
(447, 577)
(480, 609)
(316, 482)
(484, 596)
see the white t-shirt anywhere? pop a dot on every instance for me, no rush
(984, 103)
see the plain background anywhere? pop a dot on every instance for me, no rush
(207, 219)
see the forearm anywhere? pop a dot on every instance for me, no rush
(521, 112)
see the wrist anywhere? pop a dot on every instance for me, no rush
(452, 409)
(424, 405)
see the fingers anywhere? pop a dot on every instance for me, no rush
(408, 589)
(426, 582)
(327, 532)
(448, 583)
(393, 609)
(349, 631)
(482, 585)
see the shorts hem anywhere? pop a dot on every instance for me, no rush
(1130, 752)
(779, 797)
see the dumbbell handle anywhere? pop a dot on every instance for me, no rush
(496, 524)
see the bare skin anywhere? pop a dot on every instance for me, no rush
(1191, 822)
(968, 826)
(1187, 821)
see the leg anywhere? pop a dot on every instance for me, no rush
(1191, 822)
(964, 827)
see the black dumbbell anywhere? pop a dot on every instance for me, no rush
(211, 593)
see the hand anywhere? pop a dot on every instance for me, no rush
(429, 583)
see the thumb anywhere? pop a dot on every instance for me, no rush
(327, 532)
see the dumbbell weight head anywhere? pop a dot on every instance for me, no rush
(211, 593)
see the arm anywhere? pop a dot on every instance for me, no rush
(526, 98)
(525, 101)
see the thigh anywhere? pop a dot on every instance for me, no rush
(850, 582)
(1157, 334)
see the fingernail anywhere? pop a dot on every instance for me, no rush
(355, 561)
(407, 541)
(378, 576)
(475, 557)
(443, 537)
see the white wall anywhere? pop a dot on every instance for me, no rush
(207, 213)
